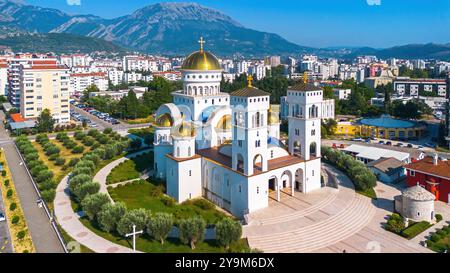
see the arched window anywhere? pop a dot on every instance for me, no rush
(313, 149)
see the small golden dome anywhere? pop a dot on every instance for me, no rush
(273, 117)
(184, 129)
(225, 123)
(165, 120)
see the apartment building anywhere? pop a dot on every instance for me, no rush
(44, 85)
(3, 77)
(420, 87)
(80, 81)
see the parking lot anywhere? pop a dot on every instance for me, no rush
(92, 117)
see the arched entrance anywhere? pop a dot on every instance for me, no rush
(313, 149)
(297, 148)
(257, 162)
(299, 183)
(274, 188)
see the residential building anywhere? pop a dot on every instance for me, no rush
(433, 174)
(45, 85)
(420, 87)
(80, 81)
(3, 77)
(388, 170)
(342, 94)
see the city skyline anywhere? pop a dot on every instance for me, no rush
(355, 24)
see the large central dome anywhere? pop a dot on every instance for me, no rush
(201, 60)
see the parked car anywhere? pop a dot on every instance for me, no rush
(381, 142)
(410, 145)
(389, 143)
(2, 217)
(420, 147)
(399, 144)
(430, 145)
(358, 139)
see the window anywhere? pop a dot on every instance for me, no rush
(412, 173)
(257, 190)
(240, 188)
(271, 153)
(190, 173)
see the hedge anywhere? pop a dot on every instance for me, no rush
(415, 229)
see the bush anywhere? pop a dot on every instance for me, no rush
(110, 215)
(15, 220)
(415, 229)
(82, 170)
(203, 204)
(84, 163)
(395, 223)
(138, 217)
(6, 183)
(93, 204)
(48, 195)
(73, 162)
(83, 190)
(192, 230)
(60, 161)
(435, 238)
(9, 193)
(47, 185)
(13, 207)
(159, 226)
(44, 176)
(167, 201)
(107, 131)
(439, 217)
(3, 173)
(52, 151)
(53, 157)
(95, 159)
(31, 157)
(228, 232)
(78, 150)
(21, 234)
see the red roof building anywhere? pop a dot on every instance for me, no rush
(433, 174)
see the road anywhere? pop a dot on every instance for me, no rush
(42, 233)
(5, 237)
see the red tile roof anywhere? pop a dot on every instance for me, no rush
(17, 118)
(426, 165)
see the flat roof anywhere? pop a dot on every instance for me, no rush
(373, 153)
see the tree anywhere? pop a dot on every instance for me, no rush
(93, 204)
(83, 190)
(45, 122)
(192, 230)
(159, 226)
(137, 217)
(136, 144)
(228, 231)
(110, 215)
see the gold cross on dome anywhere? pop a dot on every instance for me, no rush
(201, 42)
(249, 80)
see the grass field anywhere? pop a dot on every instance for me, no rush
(130, 169)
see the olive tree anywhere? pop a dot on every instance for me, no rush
(159, 226)
(138, 217)
(228, 231)
(192, 230)
(83, 190)
(93, 204)
(110, 216)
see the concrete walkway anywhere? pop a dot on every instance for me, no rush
(101, 176)
(71, 223)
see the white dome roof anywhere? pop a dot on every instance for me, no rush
(418, 193)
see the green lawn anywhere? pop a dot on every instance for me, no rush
(145, 244)
(369, 193)
(150, 196)
(142, 133)
(131, 169)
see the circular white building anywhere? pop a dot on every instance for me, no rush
(416, 204)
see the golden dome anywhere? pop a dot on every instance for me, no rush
(273, 117)
(165, 120)
(201, 60)
(225, 123)
(184, 129)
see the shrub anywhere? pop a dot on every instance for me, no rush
(15, 220)
(138, 217)
(84, 163)
(82, 170)
(227, 232)
(6, 183)
(34, 163)
(99, 152)
(107, 131)
(203, 204)
(441, 233)
(3, 173)
(48, 195)
(167, 201)
(47, 185)
(9, 193)
(159, 226)
(38, 169)
(73, 162)
(44, 176)
(83, 190)
(78, 150)
(13, 207)
(92, 204)
(110, 215)
(79, 135)
(192, 230)
(31, 157)
(439, 217)
(21, 234)
(60, 161)
(435, 238)
(88, 141)
(415, 229)
(395, 223)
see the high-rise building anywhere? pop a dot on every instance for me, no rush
(44, 84)
(3, 77)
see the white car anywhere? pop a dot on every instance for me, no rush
(2, 217)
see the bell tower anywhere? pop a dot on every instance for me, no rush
(250, 117)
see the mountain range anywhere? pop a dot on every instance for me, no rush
(173, 29)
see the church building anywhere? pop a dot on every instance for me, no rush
(226, 147)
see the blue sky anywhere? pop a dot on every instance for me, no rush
(318, 23)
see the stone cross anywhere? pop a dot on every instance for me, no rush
(134, 233)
